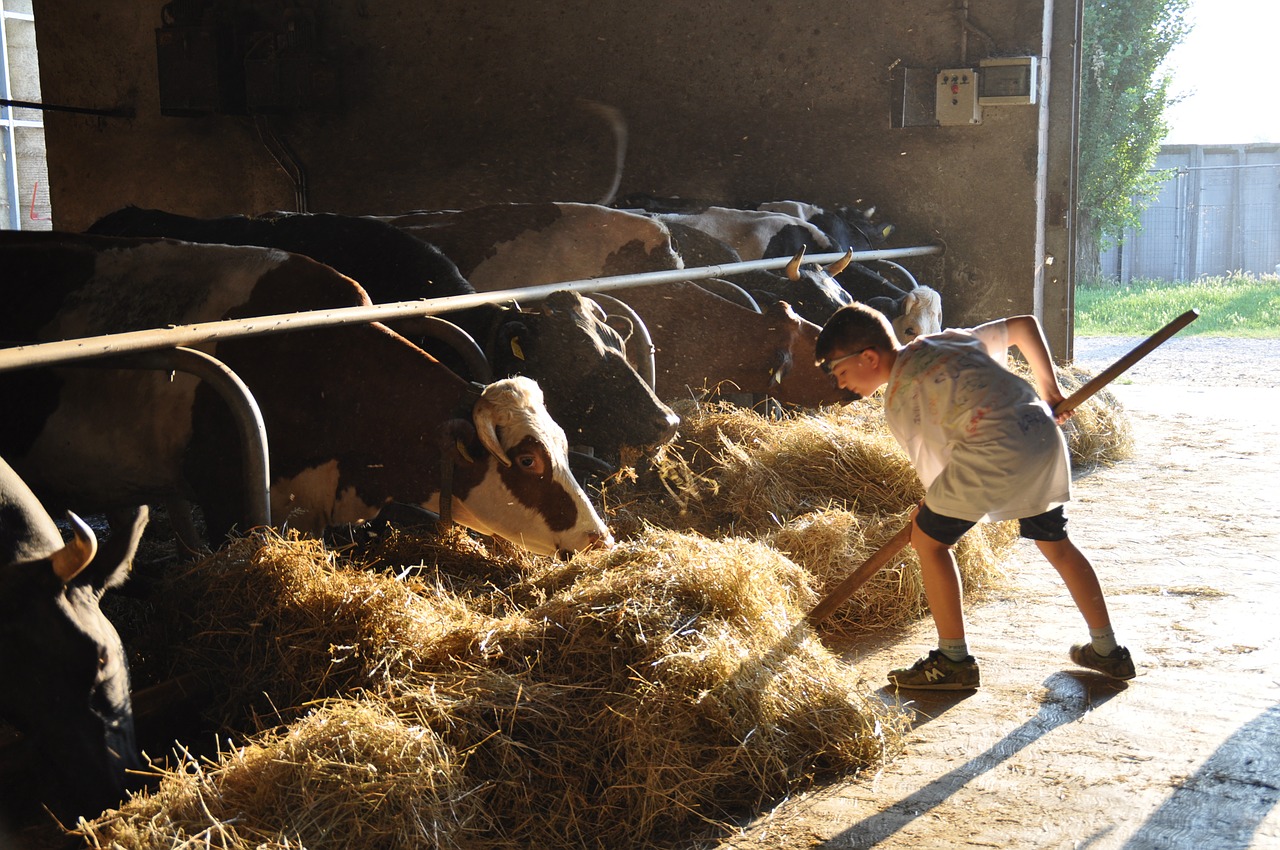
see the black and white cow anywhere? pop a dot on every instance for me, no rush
(577, 359)
(783, 228)
(810, 290)
(913, 311)
(507, 246)
(65, 675)
(356, 416)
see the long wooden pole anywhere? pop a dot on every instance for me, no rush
(845, 589)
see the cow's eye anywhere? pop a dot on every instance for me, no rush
(530, 462)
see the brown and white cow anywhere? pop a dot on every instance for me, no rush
(64, 671)
(356, 416)
(578, 361)
(700, 339)
(704, 342)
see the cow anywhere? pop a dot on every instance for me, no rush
(577, 359)
(811, 291)
(65, 674)
(755, 234)
(913, 311)
(705, 342)
(758, 234)
(507, 246)
(356, 416)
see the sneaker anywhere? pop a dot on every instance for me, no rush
(937, 672)
(1117, 665)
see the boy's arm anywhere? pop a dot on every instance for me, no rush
(1026, 333)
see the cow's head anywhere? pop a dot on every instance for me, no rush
(65, 675)
(518, 486)
(580, 363)
(795, 379)
(920, 313)
(813, 291)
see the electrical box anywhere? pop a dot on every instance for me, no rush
(1007, 81)
(956, 97)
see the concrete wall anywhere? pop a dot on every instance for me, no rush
(453, 104)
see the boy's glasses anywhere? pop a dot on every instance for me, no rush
(829, 365)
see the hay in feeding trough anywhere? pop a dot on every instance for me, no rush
(735, 472)
(621, 699)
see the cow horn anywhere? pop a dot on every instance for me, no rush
(840, 264)
(793, 267)
(487, 430)
(79, 551)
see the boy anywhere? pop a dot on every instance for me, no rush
(986, 447)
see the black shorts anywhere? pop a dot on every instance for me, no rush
(1048, 526)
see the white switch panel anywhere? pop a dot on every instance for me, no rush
(957, 97)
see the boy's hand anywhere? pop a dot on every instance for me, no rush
(1053, 397)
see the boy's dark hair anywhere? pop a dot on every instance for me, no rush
(852, 328)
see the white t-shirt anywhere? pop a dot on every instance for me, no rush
(984, 444)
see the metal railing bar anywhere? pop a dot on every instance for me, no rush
(86, 348)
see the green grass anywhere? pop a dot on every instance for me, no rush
(1239, 305)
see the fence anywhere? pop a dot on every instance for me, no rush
(1218, 212)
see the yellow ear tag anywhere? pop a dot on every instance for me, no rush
(515, 347)
(462, 450)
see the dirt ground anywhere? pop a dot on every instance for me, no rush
(1045, 755)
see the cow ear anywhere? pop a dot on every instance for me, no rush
(458, 435)
(782, 369)
(76, 555)
(514, 337)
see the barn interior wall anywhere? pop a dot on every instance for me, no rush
(453, 104)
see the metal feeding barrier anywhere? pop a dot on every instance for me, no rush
(125, 347)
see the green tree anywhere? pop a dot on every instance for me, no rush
(1123, 97)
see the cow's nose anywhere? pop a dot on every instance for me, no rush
(669, 432)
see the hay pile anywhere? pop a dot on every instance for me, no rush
(825, 489)
(467, 696)
(1099, 433)
(622, 699)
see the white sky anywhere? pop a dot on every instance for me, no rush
(1226, 69)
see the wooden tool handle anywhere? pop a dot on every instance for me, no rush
(1113, 371)
(858, 577)
(885, 553)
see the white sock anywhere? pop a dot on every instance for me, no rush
(955, 649)
(1104, 640)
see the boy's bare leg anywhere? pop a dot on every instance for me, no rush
(1081, 581)
(942, 586)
